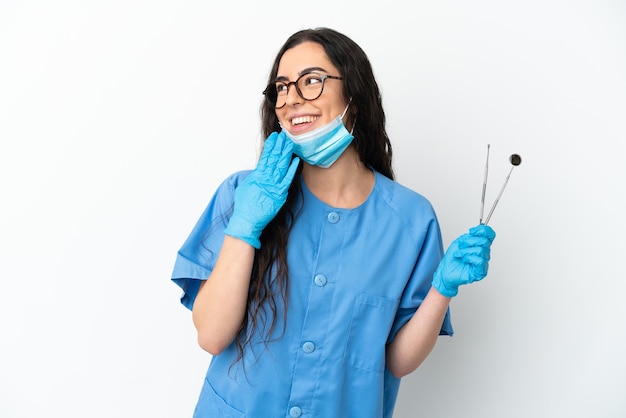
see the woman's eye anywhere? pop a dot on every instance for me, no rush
(311, 80)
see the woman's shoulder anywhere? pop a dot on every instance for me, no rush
(407, 207)
(237, 177)
(230, 182)
(223, 195)
(399, 195)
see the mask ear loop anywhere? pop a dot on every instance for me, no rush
(353, 125)
(346, 109)
(344, 113)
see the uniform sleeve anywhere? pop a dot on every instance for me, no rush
(196, 258)
(430, 254)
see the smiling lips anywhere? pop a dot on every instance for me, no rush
(304, 119)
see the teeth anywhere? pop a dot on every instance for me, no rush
(303, 119)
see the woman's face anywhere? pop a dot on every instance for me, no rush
(298, 115)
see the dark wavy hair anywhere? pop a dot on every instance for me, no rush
(270, 274)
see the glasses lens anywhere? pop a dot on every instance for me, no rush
(310, 86)
(271, 93)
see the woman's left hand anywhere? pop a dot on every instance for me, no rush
(465, 261)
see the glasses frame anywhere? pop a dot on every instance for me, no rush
(288, 84)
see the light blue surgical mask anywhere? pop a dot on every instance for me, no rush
(324, 145)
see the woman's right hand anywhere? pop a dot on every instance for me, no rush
(260, 196)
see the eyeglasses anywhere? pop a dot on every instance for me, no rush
(309, 86)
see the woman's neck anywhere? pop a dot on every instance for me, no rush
(345, 184)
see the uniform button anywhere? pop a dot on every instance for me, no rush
(308, 347)
(333, 217)
(320, 280)
(295, 412)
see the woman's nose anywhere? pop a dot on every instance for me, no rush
(292, 95)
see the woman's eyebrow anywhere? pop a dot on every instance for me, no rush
(306, 70)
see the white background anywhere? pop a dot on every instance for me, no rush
(118, 119)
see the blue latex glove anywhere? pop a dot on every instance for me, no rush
(465, 261)
(263, 192)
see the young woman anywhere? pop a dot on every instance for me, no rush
(316, 281)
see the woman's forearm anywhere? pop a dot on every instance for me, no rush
(220, 305)
(416, 339)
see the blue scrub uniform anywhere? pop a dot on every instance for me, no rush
(355, 276)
